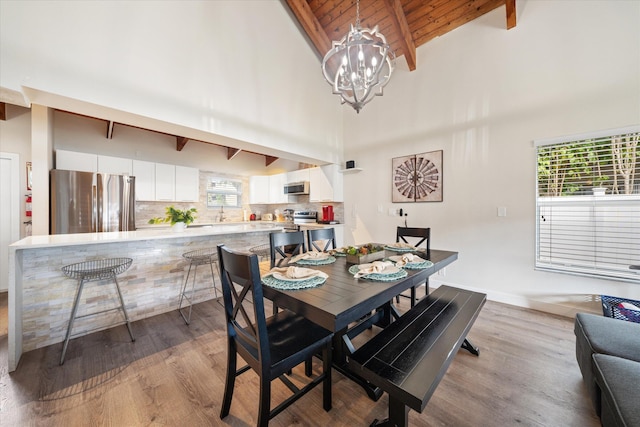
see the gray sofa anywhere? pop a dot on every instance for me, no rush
(608, 353)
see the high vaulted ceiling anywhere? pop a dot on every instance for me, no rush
(406, 24)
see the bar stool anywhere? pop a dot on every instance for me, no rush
(89, 271)
(198, 257)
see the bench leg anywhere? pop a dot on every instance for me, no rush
(470, 347)
(398, 415)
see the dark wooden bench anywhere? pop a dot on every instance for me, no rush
(408, 358)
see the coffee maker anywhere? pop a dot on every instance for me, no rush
(327, 214)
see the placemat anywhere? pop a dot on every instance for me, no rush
(293, 285)
(328, 260)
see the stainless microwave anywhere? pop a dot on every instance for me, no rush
(294, 188)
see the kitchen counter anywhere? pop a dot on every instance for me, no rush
(41, 296)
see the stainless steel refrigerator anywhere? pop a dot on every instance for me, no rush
(86, 202)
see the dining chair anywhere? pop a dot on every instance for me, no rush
(316, 237)
(270, 346)
(418, 237)
(284, 245)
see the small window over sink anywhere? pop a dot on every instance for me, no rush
(224, 192)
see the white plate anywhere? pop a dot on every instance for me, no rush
(284, 277)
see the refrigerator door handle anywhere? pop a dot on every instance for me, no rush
(94, 202)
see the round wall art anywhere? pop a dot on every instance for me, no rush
(417, 178)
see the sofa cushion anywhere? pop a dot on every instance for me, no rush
(605, 335)
(619, 383)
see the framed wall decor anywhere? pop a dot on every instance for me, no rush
(417, 178)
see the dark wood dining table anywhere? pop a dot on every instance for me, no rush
(347, 306)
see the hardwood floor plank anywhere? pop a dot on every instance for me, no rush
(173, 374)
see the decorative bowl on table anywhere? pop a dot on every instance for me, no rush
(364, 254)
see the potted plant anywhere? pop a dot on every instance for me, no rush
(179, 219)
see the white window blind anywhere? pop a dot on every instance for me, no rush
(588, 204)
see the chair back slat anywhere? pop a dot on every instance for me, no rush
(242, 286)
(280, 247)
(315, 236)
(424, 234)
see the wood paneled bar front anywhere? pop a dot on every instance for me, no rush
(41, 296)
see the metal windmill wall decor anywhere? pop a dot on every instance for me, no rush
(417, 178)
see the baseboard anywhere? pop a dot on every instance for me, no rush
(521, 301)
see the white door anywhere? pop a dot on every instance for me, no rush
(9, 217)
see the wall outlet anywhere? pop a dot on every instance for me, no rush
(393, 212)
(442, 272)
(502, 211)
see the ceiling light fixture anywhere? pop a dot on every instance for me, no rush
(359, 65)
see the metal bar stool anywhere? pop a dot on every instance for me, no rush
(196, 258)
(88, 271)
(262, 251)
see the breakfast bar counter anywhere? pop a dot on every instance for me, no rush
(41, 296)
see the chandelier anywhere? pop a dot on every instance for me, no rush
(359, 65)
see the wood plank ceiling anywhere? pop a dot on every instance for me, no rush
(406, 24)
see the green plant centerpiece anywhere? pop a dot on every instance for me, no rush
(174, 216)
(365, 253)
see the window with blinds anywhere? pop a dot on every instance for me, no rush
(588, 204)
(224, 192)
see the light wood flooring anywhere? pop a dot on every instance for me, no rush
(173, 375)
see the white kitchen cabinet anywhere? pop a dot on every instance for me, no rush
(165, 182)
(298, 176)
(187, 184)
(325, 184)
(73, 161)
(276, 188)
(259, 189)
(114, 165)
(145, 174)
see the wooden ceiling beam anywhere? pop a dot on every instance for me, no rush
(511, 13)
(3, 111)
(394, 7)
(110, 126)
(181, 141)
(311, 25)
(269, 159)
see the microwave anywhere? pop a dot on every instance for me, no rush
(297, 188)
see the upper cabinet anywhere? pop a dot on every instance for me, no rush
(145, 173)
(259, 189)
(187, 184)
(266, 189)
(154, 181)
(72, 161)
(298, 176)
(325, 184)
(165, 182)
(115, 165)
(276, 188)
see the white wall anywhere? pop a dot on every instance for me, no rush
(482, 94)
(236, 72)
